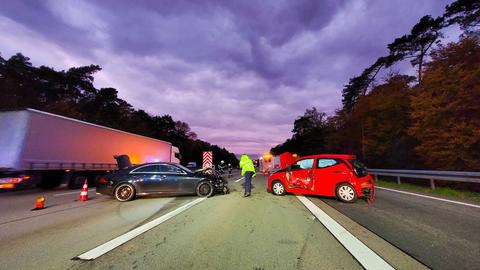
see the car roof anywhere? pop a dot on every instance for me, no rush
(151, 163)
(341, 156)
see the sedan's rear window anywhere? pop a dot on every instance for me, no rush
(147, 169)
(167, 168)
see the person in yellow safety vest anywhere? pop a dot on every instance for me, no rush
(248, 171)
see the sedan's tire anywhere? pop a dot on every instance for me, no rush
(204, 189)
(278, 188)
(346, 193)
(124, 192)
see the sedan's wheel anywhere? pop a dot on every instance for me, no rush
(124, 192)
(346, 193)
(204, 189)
(278, 188)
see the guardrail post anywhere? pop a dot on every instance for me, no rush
(376, 177)
(398, 180)
(432, 183)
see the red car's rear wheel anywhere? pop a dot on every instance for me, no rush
(346, 193)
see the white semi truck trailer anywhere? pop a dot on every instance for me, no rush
(44, 149)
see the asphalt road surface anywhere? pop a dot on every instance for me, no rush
(221, 232)
(442, 235)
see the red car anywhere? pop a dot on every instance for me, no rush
(340, 176)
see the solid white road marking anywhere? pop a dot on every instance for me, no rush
(240, 179)
(73, 192)
(364, 255)
(429, 197)
(114, 243)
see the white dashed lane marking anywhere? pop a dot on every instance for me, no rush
(429, 197)
(114, 243)
(363, 254)
(240, 179)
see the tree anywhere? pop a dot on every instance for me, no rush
(183, 130)
(359, 85)
(445, 113)
(308, 134)
(308, 123)
(17, 78)
(72, 93)
(382, 120)
(416, 45)
(466, 13)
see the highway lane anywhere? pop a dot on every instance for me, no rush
(49, 238)
(232, 232)
(442, 235)
(222, 232)
(15, 205)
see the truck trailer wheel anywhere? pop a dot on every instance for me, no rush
(76, 181)
(50, 180)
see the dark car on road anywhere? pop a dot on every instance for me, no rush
(159, 178)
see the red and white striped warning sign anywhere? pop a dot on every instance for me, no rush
(207, 159)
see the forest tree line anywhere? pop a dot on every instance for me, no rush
(427, 121)
(72, 93)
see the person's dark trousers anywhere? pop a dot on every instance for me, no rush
(248, 182)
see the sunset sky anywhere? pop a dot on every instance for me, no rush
(238, 72)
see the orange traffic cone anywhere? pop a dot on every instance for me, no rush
(84, 193)
(39, 203)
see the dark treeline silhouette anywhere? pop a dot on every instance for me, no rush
(71, 93)
(427, 121)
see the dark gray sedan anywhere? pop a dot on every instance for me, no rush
(159, 178)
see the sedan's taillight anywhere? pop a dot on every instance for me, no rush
(102, 180)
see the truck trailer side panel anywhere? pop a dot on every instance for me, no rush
(13, 128)
(52, 141)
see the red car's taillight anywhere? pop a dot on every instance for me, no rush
(366, 184)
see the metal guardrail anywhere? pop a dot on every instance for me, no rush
(455, 176)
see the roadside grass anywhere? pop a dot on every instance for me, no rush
(440, 191)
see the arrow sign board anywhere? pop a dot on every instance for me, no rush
(207, 159)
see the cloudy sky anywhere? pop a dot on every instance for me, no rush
(239, 72)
